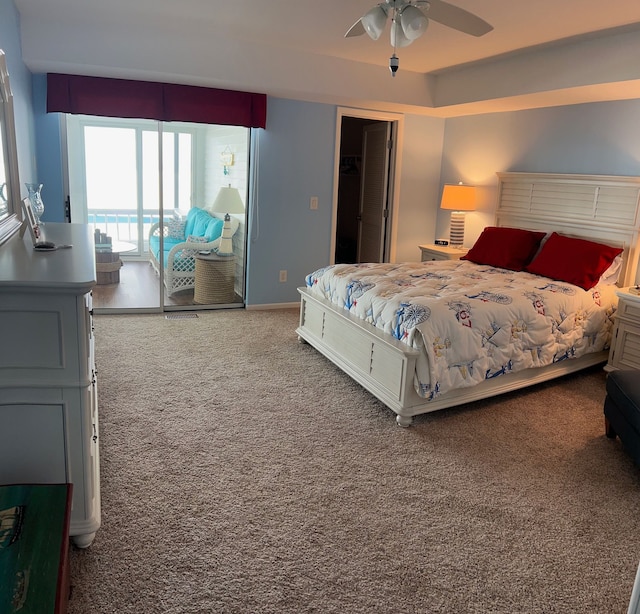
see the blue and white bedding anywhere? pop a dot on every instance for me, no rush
(471, 322)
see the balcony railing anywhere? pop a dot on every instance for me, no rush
(124, 225)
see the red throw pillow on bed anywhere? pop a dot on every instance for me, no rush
(576, 261)
(507, 248)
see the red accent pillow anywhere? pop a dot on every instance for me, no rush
(506, 248)
(576, 261)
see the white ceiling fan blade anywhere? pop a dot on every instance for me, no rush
(457, 18)
(357, 29)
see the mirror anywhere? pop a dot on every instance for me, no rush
(9, 179)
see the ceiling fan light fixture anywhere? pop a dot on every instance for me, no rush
(409, 22)
(374, 21)
(398, 38)
(413, 21)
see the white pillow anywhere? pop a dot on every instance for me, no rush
(610, 276)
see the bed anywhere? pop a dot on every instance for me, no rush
(377, 322)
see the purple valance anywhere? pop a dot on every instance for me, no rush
(108, 97)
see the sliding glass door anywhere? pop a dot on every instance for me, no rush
(148, 190)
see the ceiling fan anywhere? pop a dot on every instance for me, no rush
(409, 21)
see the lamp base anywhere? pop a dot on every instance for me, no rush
(225, 247)
(456, 229)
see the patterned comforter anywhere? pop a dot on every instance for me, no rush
(471, 322)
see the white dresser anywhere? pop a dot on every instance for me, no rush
(48, 393)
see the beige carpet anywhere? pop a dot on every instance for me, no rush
(242, 472)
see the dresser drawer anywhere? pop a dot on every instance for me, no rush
(46, 340)
(629, 311)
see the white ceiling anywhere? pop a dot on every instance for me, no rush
(297, 48)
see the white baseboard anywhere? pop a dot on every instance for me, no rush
(274, 306)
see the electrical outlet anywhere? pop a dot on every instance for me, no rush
(283, 276)
(313, 202)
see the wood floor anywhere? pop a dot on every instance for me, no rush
(139, 289)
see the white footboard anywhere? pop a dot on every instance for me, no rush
(385, 367)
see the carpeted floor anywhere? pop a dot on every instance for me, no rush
(242, 473)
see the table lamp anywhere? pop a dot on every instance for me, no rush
(458, 199)
(227, 201)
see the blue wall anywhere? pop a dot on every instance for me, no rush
(294, 162)
(597, 138)
(600, 138)
(48, 153)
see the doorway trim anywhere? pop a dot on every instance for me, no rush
(394, 174)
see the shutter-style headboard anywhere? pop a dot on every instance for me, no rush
(603, 208)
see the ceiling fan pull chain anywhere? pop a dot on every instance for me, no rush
(394, 61)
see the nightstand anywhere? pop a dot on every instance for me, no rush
(441, 252)
(625, 340)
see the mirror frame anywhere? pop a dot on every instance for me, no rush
(10, 224)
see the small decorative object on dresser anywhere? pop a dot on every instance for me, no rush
(625, 340)
(441, 252)
(35, 196)
(29, 221)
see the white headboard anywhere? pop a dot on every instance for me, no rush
(603, 208)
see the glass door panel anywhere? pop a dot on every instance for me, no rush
(112, 204)
(123, 183)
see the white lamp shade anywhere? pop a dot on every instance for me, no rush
(413, 21)
(374, 21)
(228, 200)
(398, 38)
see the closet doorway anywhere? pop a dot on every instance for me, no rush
(366, 163)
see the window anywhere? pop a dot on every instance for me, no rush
(121, 175)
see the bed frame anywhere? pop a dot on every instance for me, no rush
(599, 207)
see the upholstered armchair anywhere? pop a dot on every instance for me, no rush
(183, 239)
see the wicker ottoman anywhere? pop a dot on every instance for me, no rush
(215, 279)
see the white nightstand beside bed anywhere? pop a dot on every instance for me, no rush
(431, 251)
